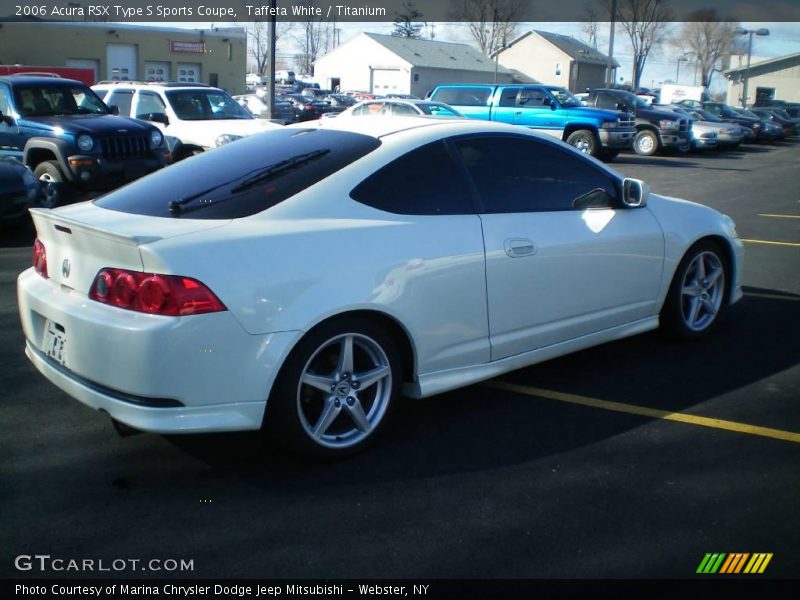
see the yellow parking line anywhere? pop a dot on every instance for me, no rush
(781, 216)
(778, 434)
(773, 296)
(772, 243)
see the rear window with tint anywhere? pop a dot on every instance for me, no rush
(243, 178)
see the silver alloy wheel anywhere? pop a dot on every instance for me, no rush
(582, 144)
(49, 187)
(646, 144)
(344, 390)
(702, 291)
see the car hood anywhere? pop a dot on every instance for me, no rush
(594, 113)
(205, 133)
(90, 124)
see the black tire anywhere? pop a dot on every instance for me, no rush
(696, 300)
(584, 141)
(297, 410)
(54, 187)
(645, 143)
(608, 155)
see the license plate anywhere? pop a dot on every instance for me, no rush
(55, 342)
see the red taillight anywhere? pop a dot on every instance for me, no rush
(169, 295)
(40, 258)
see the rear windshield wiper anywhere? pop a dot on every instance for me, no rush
(175, 206)
(279, 167)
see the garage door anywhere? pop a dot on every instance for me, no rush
(156, 70)
(388, 81)
(188, 72)
(121, 59)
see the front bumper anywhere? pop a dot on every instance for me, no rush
(188, 374)
(93, 173)
(621, 139)
(674, 138)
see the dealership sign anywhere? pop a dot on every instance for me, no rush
(194, 47)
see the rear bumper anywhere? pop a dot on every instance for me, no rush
(161, 374)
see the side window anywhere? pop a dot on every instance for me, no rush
(463, 96)
(606, 101)
(402, 110)
(148, 103)
(436, 188)
(122, 99)
(516, 174)
(533, 98)
(508, 97)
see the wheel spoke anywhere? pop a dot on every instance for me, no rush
(694, 311)
(692, 290)
(320, 382)
(346, 356)
(329, 414)
(356, 412)
(368, 378)
(712, 279)
(700, 268)
(709, 306)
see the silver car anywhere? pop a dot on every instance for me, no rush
(728, 135)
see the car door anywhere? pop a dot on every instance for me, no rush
(534, 110)
(563, 258)
(506, 110)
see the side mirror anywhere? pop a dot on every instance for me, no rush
(553, 105)
(157, 118)
(114, 109)
(621, 106)
(634, 192)
(8, 120)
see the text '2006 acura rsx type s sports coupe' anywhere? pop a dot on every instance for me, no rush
(300, 280)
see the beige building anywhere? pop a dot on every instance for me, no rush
(384, 64)
(130, 52)
(770, 79)
(556, 59)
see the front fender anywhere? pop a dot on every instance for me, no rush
(59, 148)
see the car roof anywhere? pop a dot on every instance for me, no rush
(18, 79)
(381, 126)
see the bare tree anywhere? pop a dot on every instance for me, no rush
(590, 26)
(492, 23)
(406, 24)
(311, 39)
(646, 23)
(258, 42)
(708, 40)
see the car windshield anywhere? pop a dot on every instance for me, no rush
(205, 105)
(707, 116)
(565, 97)
(243, 178)
(750, 113)
(50, 100)
(728, 112)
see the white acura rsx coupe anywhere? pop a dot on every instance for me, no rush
(301, 279)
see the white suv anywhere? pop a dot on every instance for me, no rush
(197, 117)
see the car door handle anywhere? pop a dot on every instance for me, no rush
(519, 247)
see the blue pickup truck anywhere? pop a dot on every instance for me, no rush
(550, 109)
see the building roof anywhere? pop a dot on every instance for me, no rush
(437, 55)
(773, 64)
(575, 49)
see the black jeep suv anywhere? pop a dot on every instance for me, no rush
(71, 140)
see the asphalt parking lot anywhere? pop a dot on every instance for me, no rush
(630, 460)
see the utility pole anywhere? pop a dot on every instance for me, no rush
(610, 66)
(272, 55)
